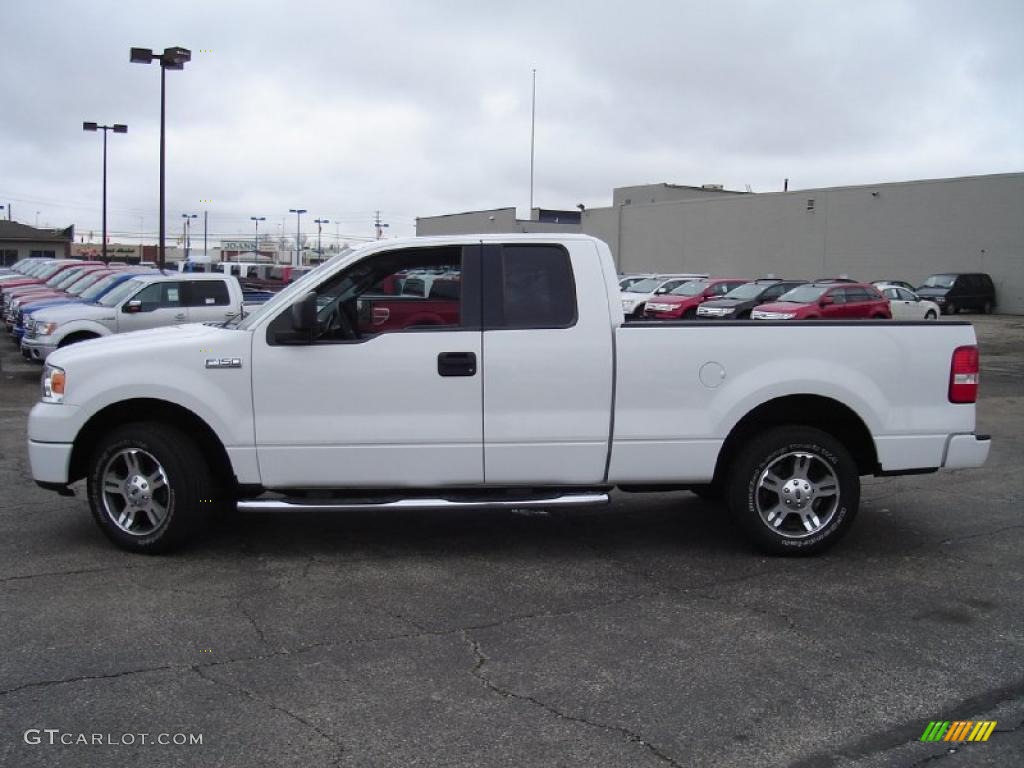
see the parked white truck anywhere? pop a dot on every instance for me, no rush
(146, 301)
(518, 385)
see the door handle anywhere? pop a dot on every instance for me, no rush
(456, 364)
(180, 316)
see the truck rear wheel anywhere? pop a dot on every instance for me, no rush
(794, 490)
(149, 487)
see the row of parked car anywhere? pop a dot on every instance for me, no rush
(46, 304)
(698, 296)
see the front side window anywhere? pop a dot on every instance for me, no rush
(159, 296)
(407, 290)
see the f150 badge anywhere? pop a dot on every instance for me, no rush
(223, 362)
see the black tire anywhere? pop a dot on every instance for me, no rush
(950, 308)
(751, 503)
(187, 497)
(930, 315)
(690, 314)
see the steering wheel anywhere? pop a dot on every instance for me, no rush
(340, 322)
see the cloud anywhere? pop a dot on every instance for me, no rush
(423, 108)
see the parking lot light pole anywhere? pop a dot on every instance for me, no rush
(186, 232)
(172, 58)
(298, 218)
(257, 219)
(319, 226)
(116, 128)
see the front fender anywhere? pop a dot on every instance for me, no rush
(79, 326)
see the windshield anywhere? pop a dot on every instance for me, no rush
(123, 291)
(692, 288)
(97, 288)
(747, 291)
(82, 283)
(940, 281)
(804, 294)
(647, 285)
(62, 278)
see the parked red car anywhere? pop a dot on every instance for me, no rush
(827, 301)
(682, 301)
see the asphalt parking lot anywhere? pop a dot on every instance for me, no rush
(644, 633)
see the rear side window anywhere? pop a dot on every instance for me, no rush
(537, 287)
(208, 293)
(858, 294)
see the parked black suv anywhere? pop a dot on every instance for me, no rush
(955, 291)
(738, 302)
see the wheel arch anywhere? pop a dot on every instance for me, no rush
(818, 411)
(76, 336)
(150, 409)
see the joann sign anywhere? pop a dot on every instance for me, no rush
(238, 245)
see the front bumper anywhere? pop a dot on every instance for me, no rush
(38, 348)
(50, 462)
(965, 451)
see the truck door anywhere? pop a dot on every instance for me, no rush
(208, 301)
(365, 403)
(156, 305)
(547, 350)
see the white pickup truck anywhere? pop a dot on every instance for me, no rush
(145, 301)
(517, 383)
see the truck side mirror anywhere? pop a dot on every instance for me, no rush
(304, 314)
(132, 307)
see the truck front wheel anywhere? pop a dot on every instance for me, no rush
(794, 490)
(149, 487)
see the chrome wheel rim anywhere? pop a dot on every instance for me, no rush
(136, 494)
(797, 495)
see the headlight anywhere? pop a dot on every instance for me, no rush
(53, 384)
(45, 329)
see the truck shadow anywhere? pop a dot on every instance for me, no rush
(678, 522)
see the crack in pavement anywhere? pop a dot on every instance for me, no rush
(252, 620)
(480, 659)
(82, 678)
(253, 696)
(981, 534)
(328, 644)
(75, 572)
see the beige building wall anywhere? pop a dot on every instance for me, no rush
(902, 231)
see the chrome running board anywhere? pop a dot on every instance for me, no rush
(293, 505)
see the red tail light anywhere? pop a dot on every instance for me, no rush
(963, 375)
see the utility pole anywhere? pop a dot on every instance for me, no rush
(319, 247)
(298, 219)
(257, 220)
(379, 225)
(533, 124)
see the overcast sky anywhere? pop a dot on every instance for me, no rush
(419, 108)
